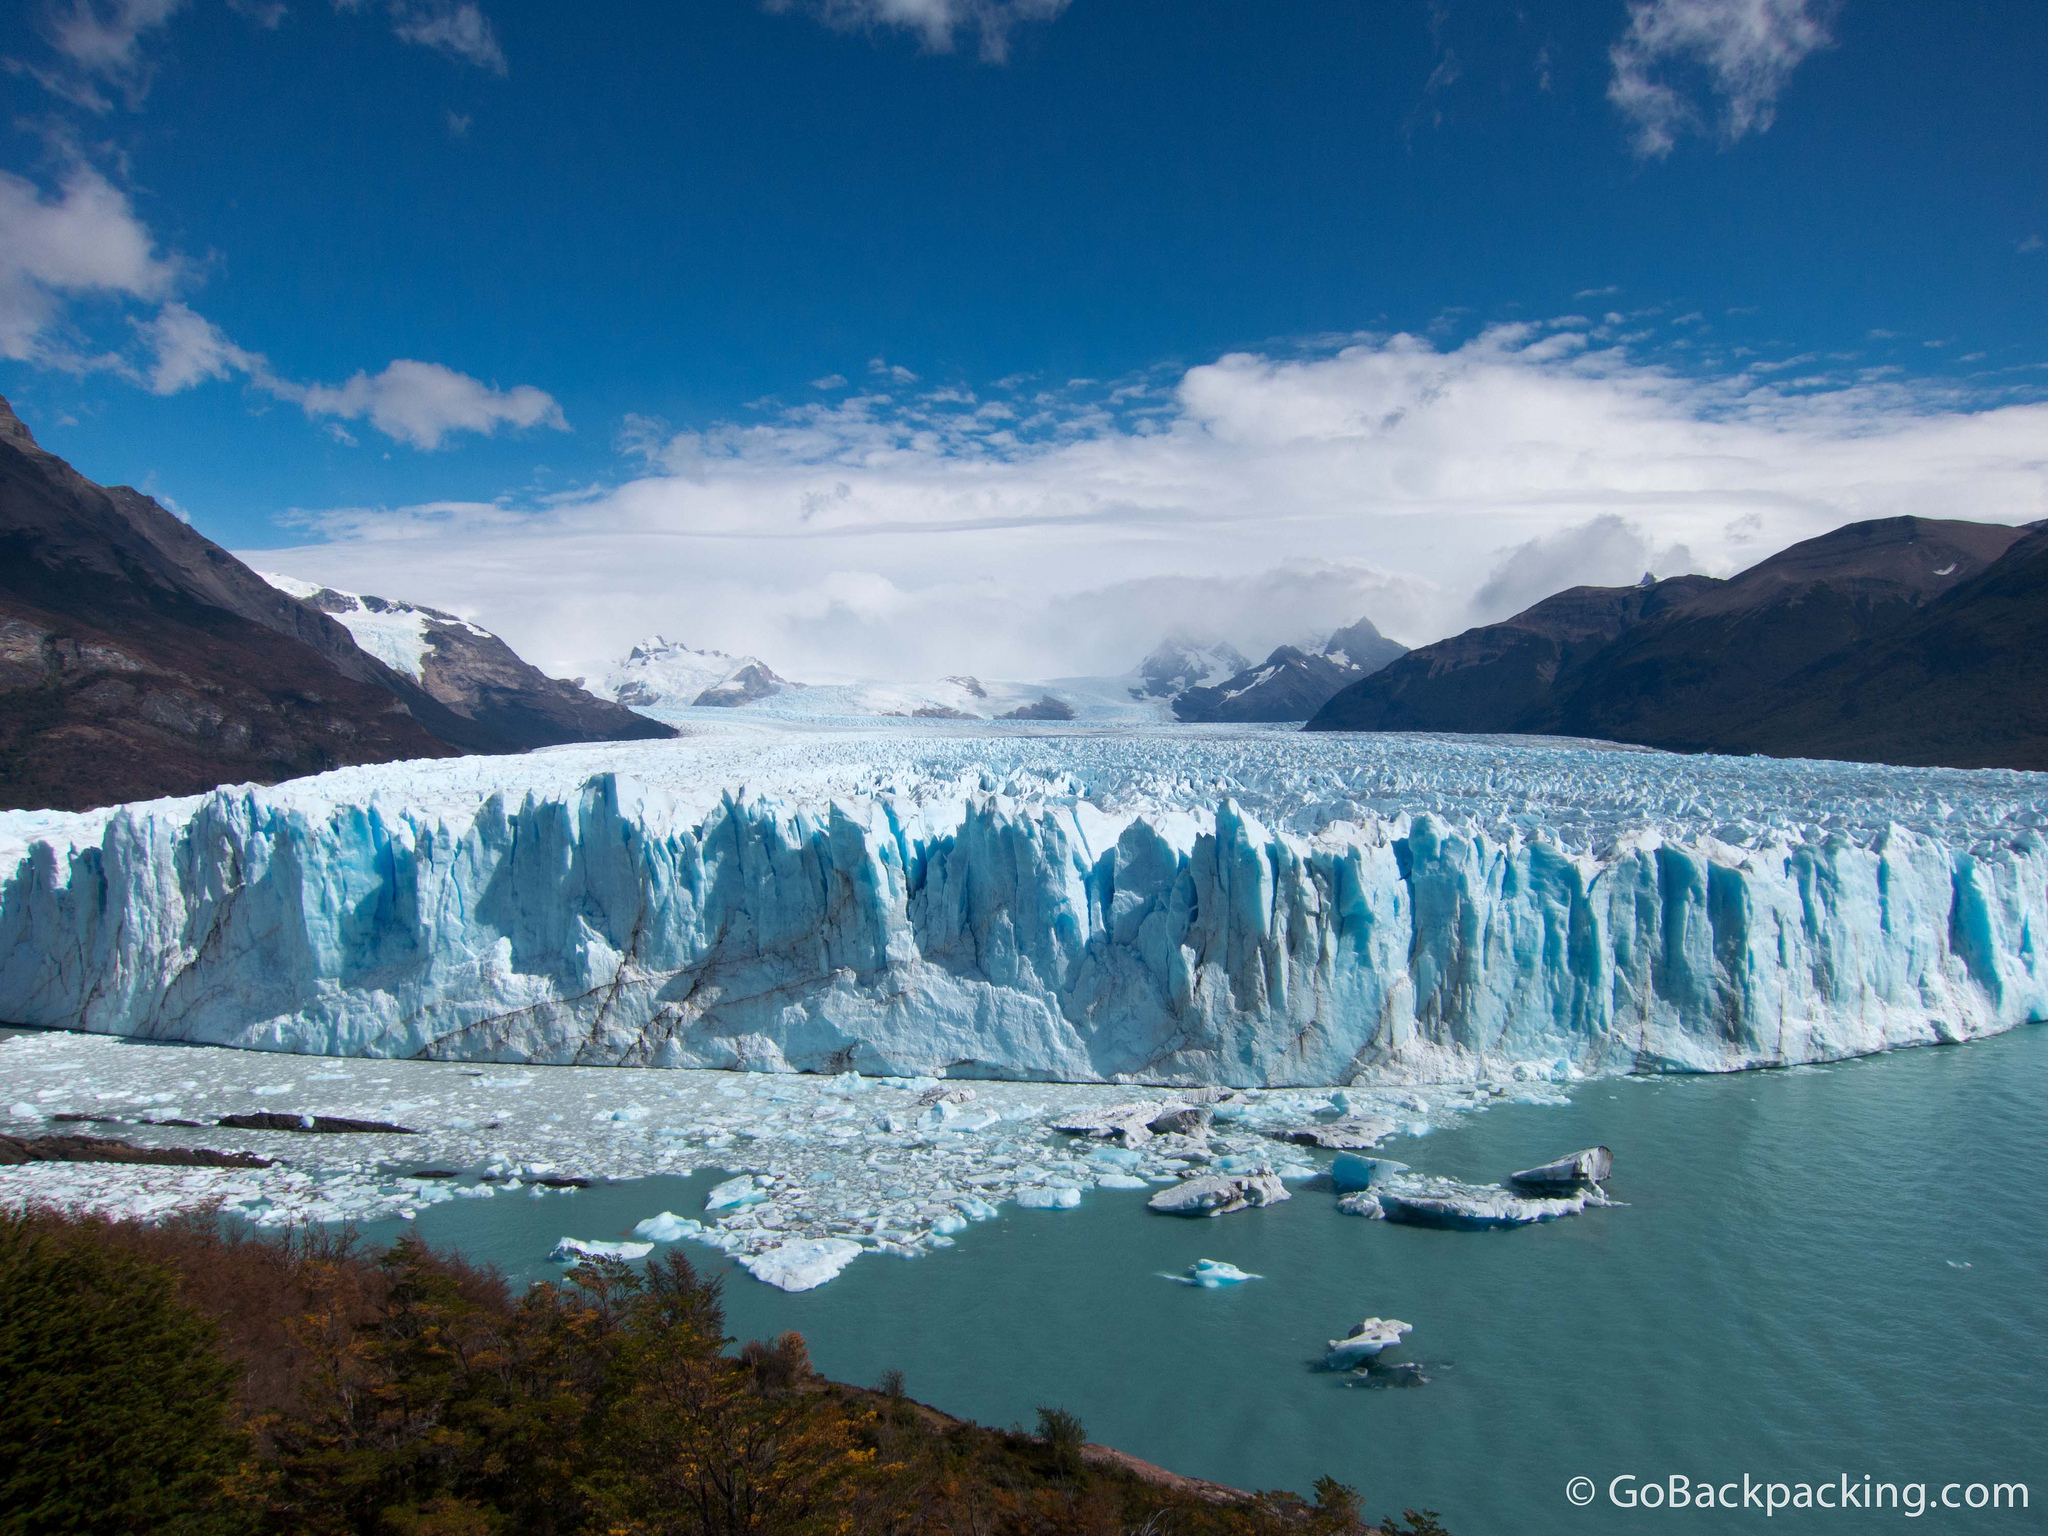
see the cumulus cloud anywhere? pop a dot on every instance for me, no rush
(1045, 532)
(937, 23)
(421, 403)
(1743, 53)
(84, 240)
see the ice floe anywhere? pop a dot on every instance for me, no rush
(1213, 1274)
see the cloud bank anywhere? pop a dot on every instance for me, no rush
(1258, 497)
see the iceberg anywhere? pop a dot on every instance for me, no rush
(1349, 1172)
(733, 1193)
(802, 1265)
(1366, 1341)
(1039, 1197)
(1220, 1194)
(1185, 906)
(668, 1227)
(1592, 1166)
(1436, 1202)
(570, 1249)
(1212, 1274)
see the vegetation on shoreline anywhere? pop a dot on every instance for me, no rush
(185, 1378)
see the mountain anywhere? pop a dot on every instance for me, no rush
(1880, 641)
(659, 671)
(1291, 683)
(1180, 662)
(138, 658)
(499, 702)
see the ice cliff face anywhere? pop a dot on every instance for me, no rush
(1185, 906)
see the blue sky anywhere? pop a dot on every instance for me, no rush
(1142, 312)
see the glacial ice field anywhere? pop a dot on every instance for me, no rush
(1175, 906)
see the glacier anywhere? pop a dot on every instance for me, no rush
(1180, 905)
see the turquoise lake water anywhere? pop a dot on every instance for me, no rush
(1817, 1272)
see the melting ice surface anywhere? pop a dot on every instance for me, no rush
(1169, 906)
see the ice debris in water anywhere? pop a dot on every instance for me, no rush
(569, 1249)
(1209, 1274)
(874, 1178)
(1229, 907)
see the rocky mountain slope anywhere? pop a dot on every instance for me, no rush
(1291, 683)
(138, 658)
(1907, 640)
(500, 702)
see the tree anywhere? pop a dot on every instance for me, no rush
(118, 1409)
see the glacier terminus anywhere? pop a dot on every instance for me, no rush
(1177, 905)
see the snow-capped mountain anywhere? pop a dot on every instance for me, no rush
(495, 701)
(1181, 662)
(665, 672)
(1294, 681)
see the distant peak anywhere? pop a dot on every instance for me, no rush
(1649, 579)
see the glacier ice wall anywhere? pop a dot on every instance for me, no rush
(1041, 927)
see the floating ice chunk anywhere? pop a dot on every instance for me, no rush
(975, 1209)
(1211, 1274)
(1592, 1166)
(734, 1193)
(1429, 1202)
(1040, 1197)
(1213, 1194)
(570, 1249)
(1351, 1172)
(1353, 1134)
(1367, 1340)
(803, 1264)
(23, 1110)
(668, 1227)
(948, 1224)
(1121, 1181)
(1115, 1157)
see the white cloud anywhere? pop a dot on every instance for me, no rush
(1746, 50)
(83, 241)
(189, 349)
(830, 381)
(454, 27)
(1059, 532)
(100, 43)
(938, 23)
(267, 14)
(421, 403)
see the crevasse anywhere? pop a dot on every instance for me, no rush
(1029, 935)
